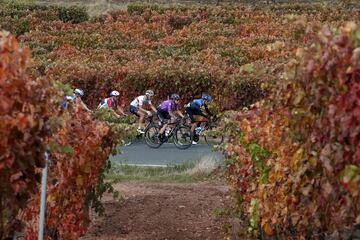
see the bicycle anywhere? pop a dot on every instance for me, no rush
(211, 136)
(180, 133)
(150, 121)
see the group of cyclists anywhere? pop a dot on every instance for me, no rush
(167, 111)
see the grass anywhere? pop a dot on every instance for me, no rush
(189, 172)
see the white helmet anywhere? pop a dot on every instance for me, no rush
(149, 93)
(114, 94)
(79, 92)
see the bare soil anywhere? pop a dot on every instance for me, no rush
(165, 211)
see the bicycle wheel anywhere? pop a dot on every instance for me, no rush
(151, 136)
(183, 137)
(213, 137)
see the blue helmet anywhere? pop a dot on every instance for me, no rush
(206, 97)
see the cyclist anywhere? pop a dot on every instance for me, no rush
(193, 109)
(168, 110)
(112, 103)
(136, 108)
(76, 98)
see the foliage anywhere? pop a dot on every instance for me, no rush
(24, 117)
(120, 129)
(226, 52)
(79, 147)
(73, 14)
(309, 126)
(139, 9)
(178, 22)
(297, 157)
(73, 176)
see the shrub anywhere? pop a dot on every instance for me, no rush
(24, 116)
(308, 129)
(22, 27)
(178, 22)
(73, 14)
(136, 9)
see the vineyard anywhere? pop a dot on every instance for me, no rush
(298, 154)
(79, 147)
(292, 160)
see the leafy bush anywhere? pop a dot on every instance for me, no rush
(303, 140)
(22, 27)
(24, 116)
(73, 14)
(78, 145)
(233, 54)
(122, 50)
(178, 22)
(138, 9)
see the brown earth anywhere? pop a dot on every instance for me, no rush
(165, 211)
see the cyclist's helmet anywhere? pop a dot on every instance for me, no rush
(149, 93)
(206, 97)
(79, 92)
(114, 94)
(174, 96)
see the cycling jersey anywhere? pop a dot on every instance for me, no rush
(108, 103)
(168, 106)
(66, 101)
(197, 103)
(194, 108)
(139, 101)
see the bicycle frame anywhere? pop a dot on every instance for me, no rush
(173, 129)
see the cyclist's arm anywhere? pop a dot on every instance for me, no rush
(115, 113)
(203, 114)
(153, 108)
(207, 110)
(172, 114)
(85, 107)
(120, 110)
(200, 111)
(180, 113)
(141, 109)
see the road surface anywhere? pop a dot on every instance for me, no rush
(167, 154)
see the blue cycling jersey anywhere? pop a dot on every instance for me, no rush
(197, 103)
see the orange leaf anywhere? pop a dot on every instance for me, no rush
(267, 229)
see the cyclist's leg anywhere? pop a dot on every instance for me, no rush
(142, 115)
(200, 117)
(134, 110)
(190, 113)
(163, 116)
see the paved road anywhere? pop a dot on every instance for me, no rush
(167, 154)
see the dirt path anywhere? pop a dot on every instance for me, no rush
(164, 211)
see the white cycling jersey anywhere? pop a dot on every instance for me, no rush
(139, 101)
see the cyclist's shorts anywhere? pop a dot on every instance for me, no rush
(192, 111)
(134, 110)
(163, 115)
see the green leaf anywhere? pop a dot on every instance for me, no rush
(247, 68)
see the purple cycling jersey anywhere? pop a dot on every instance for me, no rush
(169, 105)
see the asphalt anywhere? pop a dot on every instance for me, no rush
(167, 154)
